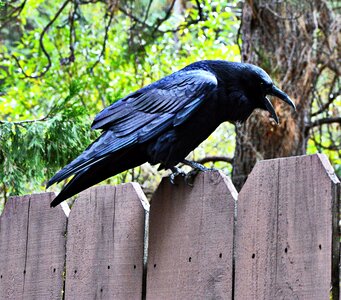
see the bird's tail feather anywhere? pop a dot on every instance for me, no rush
(69, 170)
(100, 171)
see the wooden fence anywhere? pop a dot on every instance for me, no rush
(280, 240)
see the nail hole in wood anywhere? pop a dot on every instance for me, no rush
(54, 270)
(320, 247)
(220, 255)
(101, 290)
(154, 265)
(134, 266)
(24, 272)
(253, 255)
(75, 271)
(0, 276)
(190, 259)
(108, 267)
(286, 250)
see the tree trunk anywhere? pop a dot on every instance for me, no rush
(287, 39)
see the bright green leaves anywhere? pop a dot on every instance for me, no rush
(65, 100)
(32, 150)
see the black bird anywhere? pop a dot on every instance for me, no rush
(164, 121)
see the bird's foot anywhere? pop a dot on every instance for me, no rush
(195, 166)
(175, 173)
(190, 176)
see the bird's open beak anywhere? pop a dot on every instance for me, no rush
(275, 91)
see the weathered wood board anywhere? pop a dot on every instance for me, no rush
(105, 244)
(32, 248)
(287, 230)
(286, 239)
(191, 239)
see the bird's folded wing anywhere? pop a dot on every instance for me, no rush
(172, 95)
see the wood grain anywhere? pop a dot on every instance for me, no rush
(286, 233)
(105, 244)
(191, 239)
(32, 247)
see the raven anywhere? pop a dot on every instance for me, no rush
(164, 121)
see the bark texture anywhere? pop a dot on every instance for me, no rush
(293, 41)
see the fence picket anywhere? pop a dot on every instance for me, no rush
(191, 239)
(105, 244)
(287, 231)
(32, 247)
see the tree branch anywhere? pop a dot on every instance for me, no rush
(331, 98)
(106, 35)
(23, 122)
(201, 16)
(325, 106)
(215, 159)
(322, 147)
(72, 36)
(12, 14)
(323, 121)
(41, 42)
(267, 6)
(187, 24)
(161, 20)
(147, 12)
(156, 26)
(134, 18)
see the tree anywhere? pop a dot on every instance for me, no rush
(297, 43)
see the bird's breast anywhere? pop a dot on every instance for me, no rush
(234, 106)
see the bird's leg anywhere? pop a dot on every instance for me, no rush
(189, 178)
(194, 165)
(175, 172)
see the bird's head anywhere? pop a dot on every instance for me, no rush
(258, 86)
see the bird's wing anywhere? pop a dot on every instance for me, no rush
(177, 96)
(143, 115)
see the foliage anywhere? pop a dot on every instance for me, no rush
(47, 100)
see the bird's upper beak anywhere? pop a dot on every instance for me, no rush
(275, 91)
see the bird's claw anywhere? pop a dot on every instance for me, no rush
(190, 176)
(175, 173)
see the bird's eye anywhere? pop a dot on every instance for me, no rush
(265, 85)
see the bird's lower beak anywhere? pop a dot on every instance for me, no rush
(270, 109)
(275, 91)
